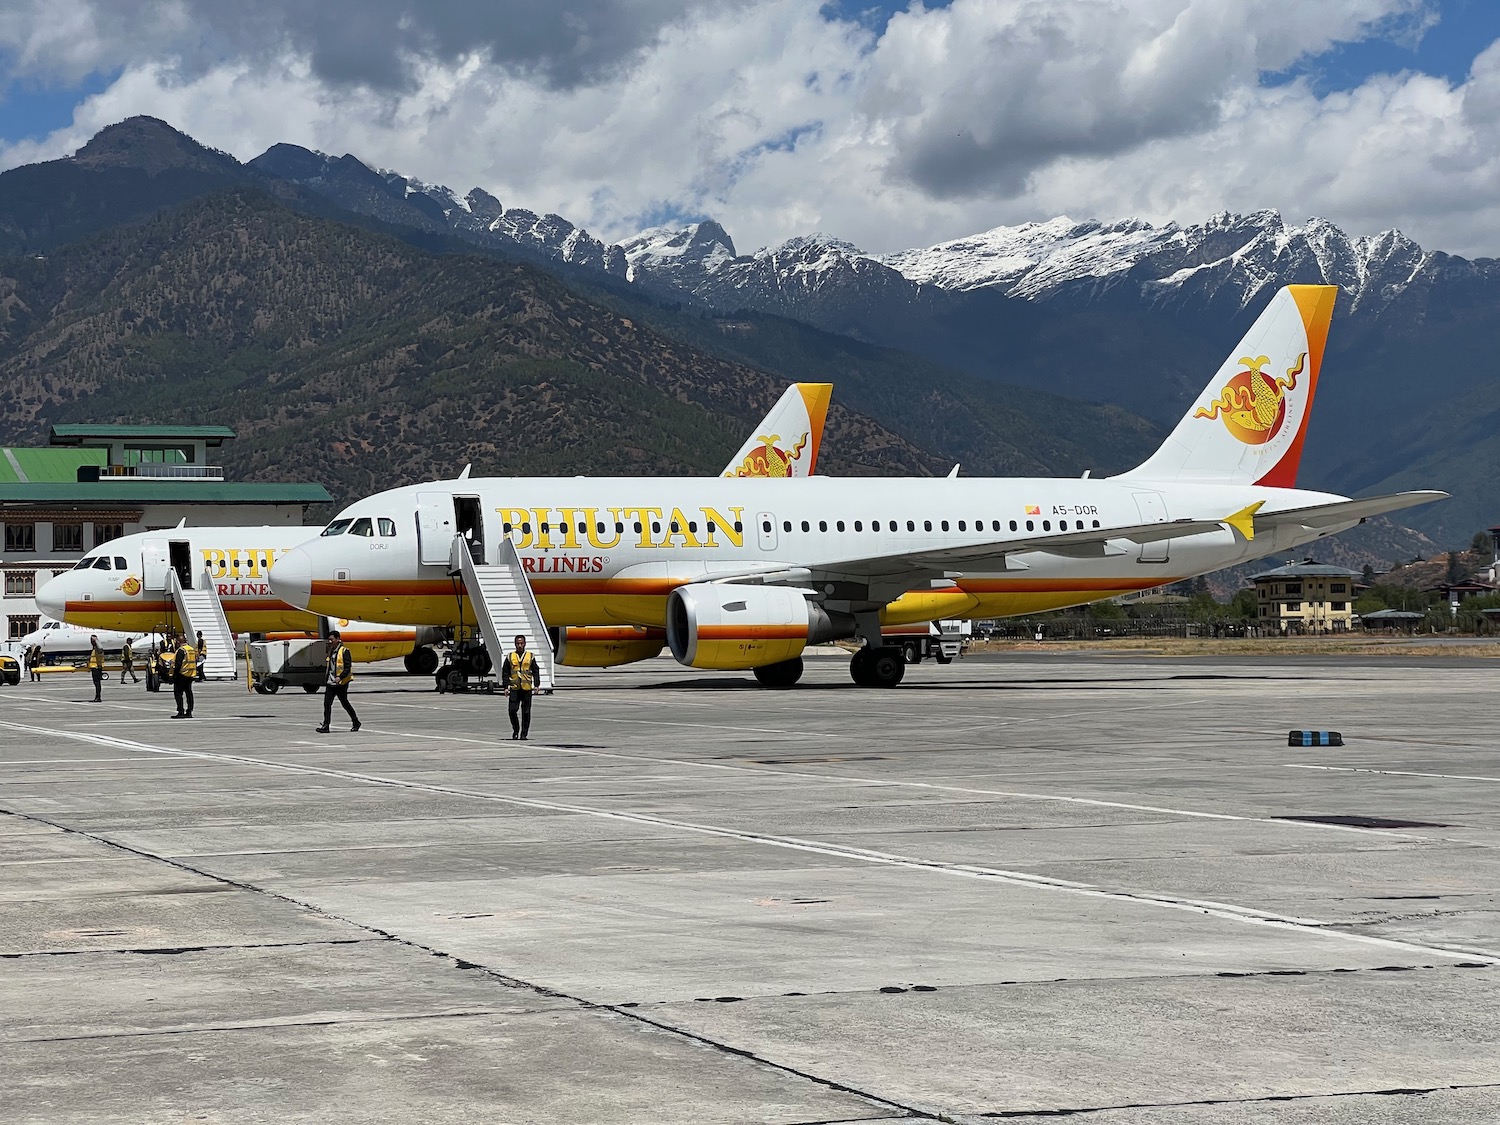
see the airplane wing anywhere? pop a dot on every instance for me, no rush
(1345, 511)
(1093, 543)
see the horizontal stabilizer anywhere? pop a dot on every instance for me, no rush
(1345, 511)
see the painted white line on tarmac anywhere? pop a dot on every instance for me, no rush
(1393, 773)
(1221, 910)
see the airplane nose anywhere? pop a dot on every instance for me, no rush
(291, 578)
(52, 599)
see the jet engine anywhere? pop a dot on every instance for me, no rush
(732, 626)
(604, 646)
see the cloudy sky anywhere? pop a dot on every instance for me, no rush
(888, 124)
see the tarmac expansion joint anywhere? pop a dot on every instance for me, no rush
(1393, 1092)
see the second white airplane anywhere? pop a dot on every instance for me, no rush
(745, 575)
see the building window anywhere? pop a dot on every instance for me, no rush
(21, 625)
(1294, 588)
(1338, 588)
(104, 532)
(20, 537)
(1294, 607)
(20, 583)
(67, 537)
(1339, 607)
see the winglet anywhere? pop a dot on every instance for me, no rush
(1243, 521)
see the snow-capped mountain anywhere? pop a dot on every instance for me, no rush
(477, 217)
(816, 278)
(1241, 258)
(1245, 255)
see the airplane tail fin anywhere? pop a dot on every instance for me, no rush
(1248, 425)
(786, 442)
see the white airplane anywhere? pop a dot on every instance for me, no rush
(741, 575)
(119, 585)
(60, 640)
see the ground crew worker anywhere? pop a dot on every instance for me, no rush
(202, 653)
(96, 668)
(338, 675)
(36, 663)
(184, 672)
(519, 679)
(127, 661)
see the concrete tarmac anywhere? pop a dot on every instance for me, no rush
(1017, 887)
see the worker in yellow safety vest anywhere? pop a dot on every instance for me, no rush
(96, 668)
(338, 675)
(184, 672)
(519, 676)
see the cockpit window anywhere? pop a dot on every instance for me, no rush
(83, 564)
(362, 526)
(120, 563)
(337, 527)
(102, 563)
(387, 528)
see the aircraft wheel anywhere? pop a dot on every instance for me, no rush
(311, 689)
(272, 687)
(422, 661)
(859, 668)
(480, 661)
(885, 667)
(912, 652)
(783, 674)
(260, 689)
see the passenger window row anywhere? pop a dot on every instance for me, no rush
(927, 525)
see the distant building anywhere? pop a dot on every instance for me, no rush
(92, 484)
(1392, 619)
(1456, 593)
(1305, 597)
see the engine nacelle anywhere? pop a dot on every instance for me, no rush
(604, 646)
(731, 626)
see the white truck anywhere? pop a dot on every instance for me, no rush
(944, 641)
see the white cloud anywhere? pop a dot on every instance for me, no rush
(778, 119)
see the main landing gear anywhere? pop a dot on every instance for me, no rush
(780, 675)
(878, 667)
(421, 661)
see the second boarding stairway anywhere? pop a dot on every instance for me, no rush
(200, 612)
(505, 606)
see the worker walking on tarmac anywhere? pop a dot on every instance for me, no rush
(184, 672)
(127, 661)
(202, 653)
(339, 674)
(519, 679)
(96, 668)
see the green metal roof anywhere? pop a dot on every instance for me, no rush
(44, 465)
(72, 434)
(139, 492)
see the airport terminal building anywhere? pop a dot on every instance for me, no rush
(94, 483)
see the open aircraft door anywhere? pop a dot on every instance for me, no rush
(435, 527)
(155, 561)
(1153, 509)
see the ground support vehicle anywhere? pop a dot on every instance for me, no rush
(286, 663)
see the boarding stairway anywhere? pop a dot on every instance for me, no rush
(199, 611)
(505, 606)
